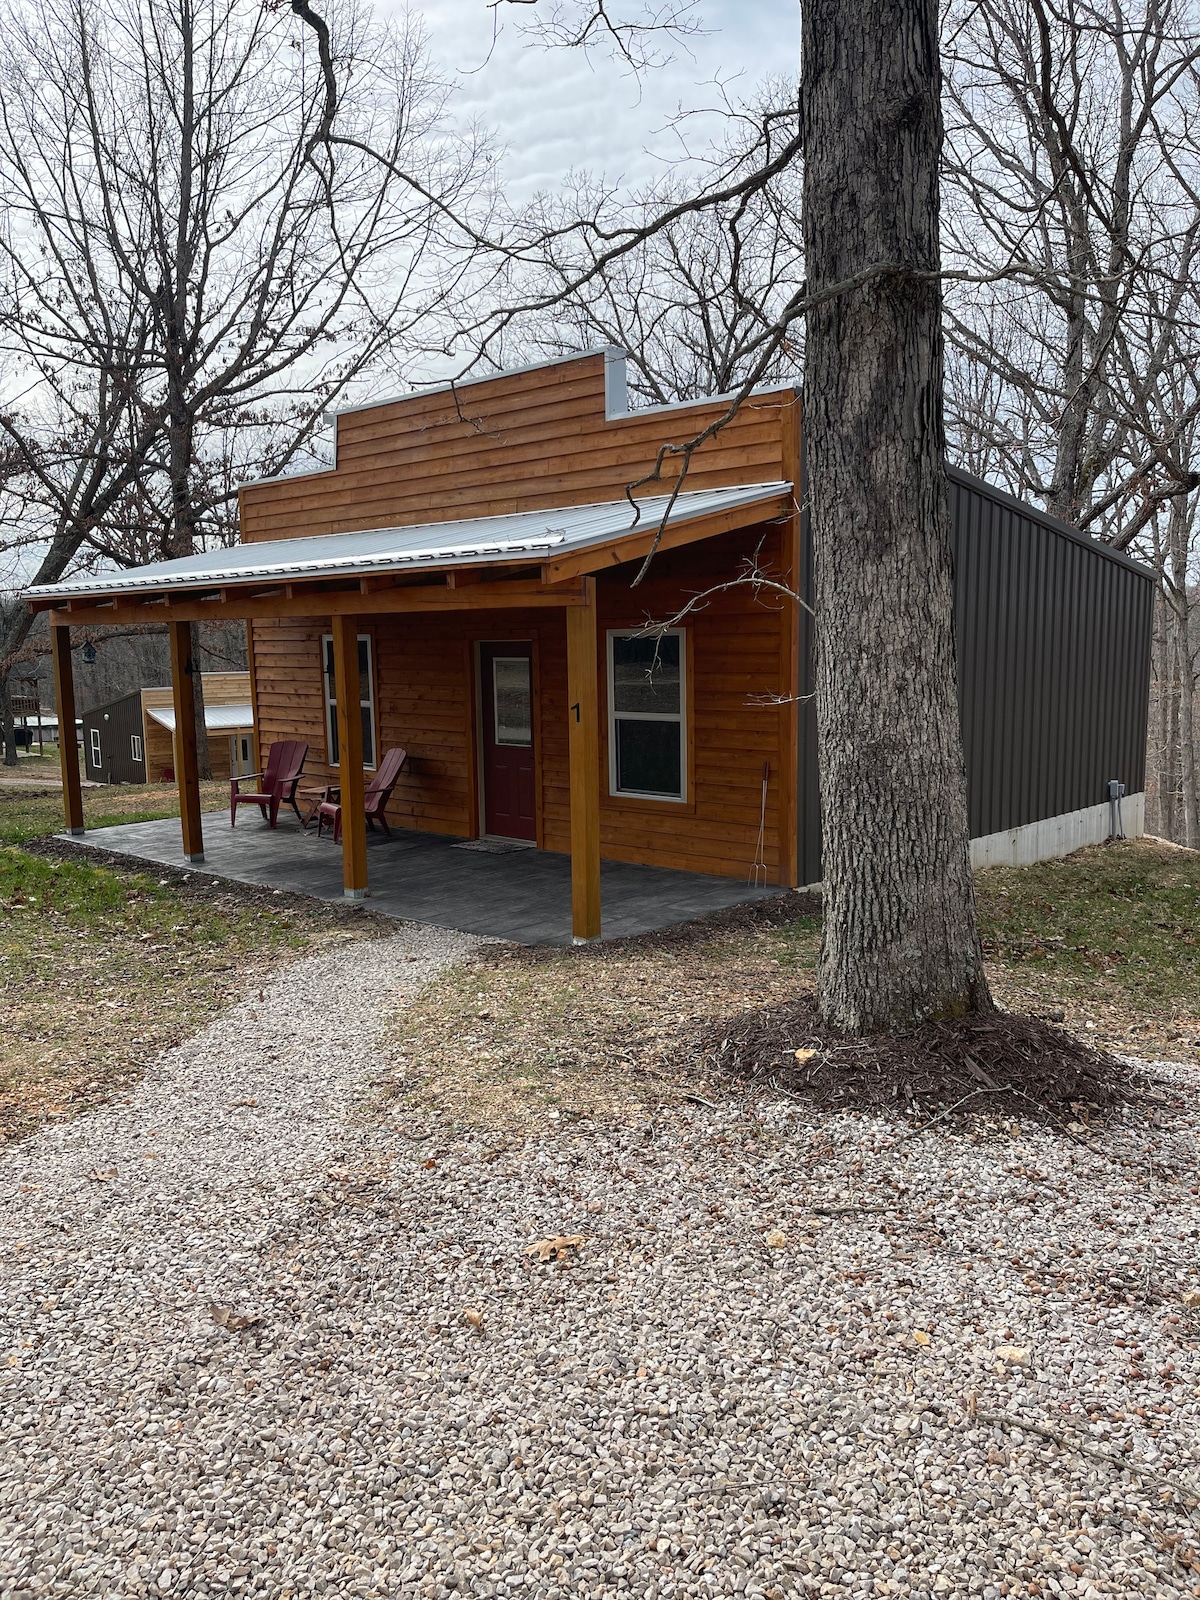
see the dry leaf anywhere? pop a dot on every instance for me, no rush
(232, 1321)
(473, 1318)
(1016, 1355)
(236, 1103)
(102, 1175)
(555, 1249)
(1192, 1299)
(776, 1239)
(920, 1337)
(805, 1055)
(429, 1165)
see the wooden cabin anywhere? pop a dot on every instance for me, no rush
(132, 739)
(470, 577)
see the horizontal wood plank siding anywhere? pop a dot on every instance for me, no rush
(515, 443)
(425, 701)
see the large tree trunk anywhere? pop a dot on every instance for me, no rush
(900, 942)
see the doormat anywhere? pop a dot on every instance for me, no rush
(493, 847)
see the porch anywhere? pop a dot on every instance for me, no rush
(518, 894)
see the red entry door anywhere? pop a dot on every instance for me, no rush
(508, 787)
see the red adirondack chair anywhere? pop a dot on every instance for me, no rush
(375, 796)
(285, 763)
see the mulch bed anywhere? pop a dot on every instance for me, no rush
(996, 1063)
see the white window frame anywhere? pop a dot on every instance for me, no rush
(135, 747)
(367, 699)
(97, 755)
(648, 716)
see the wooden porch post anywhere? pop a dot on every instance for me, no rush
(583, 713)
(347, 692)
(186, 768)
(68, 750)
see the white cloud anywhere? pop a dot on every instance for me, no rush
(558, 110)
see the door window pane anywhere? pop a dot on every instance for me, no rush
(513, 699)
(646, 674)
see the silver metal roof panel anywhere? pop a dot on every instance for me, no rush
(217, 719)
(476, 541)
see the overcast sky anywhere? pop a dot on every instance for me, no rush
(554, 111)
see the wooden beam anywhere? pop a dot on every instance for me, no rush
(347, 692)
(187, 774)
(583, 738)
(514, 595)
(635, 545)
(68, 750)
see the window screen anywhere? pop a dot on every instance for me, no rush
(646, 715)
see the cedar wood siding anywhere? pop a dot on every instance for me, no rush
(522, 442)
(425, 698)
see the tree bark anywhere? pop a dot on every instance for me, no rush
(900, 944)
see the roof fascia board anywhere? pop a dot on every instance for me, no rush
(638, 543)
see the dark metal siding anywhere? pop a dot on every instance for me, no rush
(119, 723)
(1053, 632)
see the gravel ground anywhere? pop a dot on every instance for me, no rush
(727, 1386)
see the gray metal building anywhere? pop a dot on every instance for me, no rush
(1053, 634)
(114, 741)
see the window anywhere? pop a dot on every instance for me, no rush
(512, 693)
(366, 682)
(647, 752)
(135, 746)
(95, 743)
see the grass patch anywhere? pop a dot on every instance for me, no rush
(1108, 937)
(522, 1035)
(103, 968)
(31, 813)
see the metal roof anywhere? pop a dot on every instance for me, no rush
(534, 535)
(217, 719)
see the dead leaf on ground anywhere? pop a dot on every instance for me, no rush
(473, 1318)
(921, 1337)
(776, 1239)
(805, 1055)
(555, 1249)
(232, 1321)
(102, 1174)
(1192, 1299)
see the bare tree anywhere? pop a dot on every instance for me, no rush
(162, 156)
(1071, 161)
(696, 303)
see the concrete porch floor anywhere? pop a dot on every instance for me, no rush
(524, 895)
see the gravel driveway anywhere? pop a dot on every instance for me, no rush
(731, 1386)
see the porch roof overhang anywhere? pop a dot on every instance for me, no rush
(519, 558)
